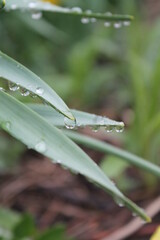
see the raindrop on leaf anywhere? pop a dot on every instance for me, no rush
(41, 147)
(69, 124)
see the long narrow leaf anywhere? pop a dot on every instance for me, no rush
(82, 118)
(108, 148)
(27, 126)
(86, 119)
(18, 74)
(37, 5)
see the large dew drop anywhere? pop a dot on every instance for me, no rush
(39, 91)
(69, 124)
(119, 202)
(24, 92)
(107, 24)
(109, 128)
(120, 127)
(41, 147)
(126, 23)
(13, 86)
(93, 20)
(84, 20)
(32, 5)
(13, 6)
(76, 10)
(117, 24)
(36, 15)
(2, 89)
(95, 128)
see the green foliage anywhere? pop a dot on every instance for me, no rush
(37, 134)
(113, 166)
(25, 228)
(83, 71)
(16, 226)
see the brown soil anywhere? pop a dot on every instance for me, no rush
(55, 195)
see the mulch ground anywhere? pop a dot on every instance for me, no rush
(55, 195)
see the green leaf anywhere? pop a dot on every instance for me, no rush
(37, 5)
(113, 166)
(34, 131)
(107, 148)
(17, 73)
(57, 232)
(82, 118)
(8, 219)
(44, 28)
(25, 227)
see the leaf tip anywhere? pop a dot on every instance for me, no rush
(148, 219)
(69, 115)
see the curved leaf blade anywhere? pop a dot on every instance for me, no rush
(37, 5)
(31, 129)
(15, 72)
(82, 118)
(108, 148)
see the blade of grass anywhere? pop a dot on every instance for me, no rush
(82, 118)
(44, 28)
(31, 129)
(17, 73)
(35, 5)
(107, 148)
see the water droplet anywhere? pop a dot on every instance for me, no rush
(1, 89)
(32, 5)
(36, 15)
(33, 95)
(109, 128)
(76, 9)
(13, 6)
(59, 161)
(24, 92)
(117, 24)
(126, 23)
(107, 24)
(84, 20)
(108, 14)
(93, 20)
(13, 86)
(120, 127)
(69, 124)
(41, 147)
(95, 128)
(6, 125)
(39, 91)
(88, 11)
(119, 202)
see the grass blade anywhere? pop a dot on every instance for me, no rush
(31, 129)
(17, 73)
(82, 118)
(108, 148)
(37, 5)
